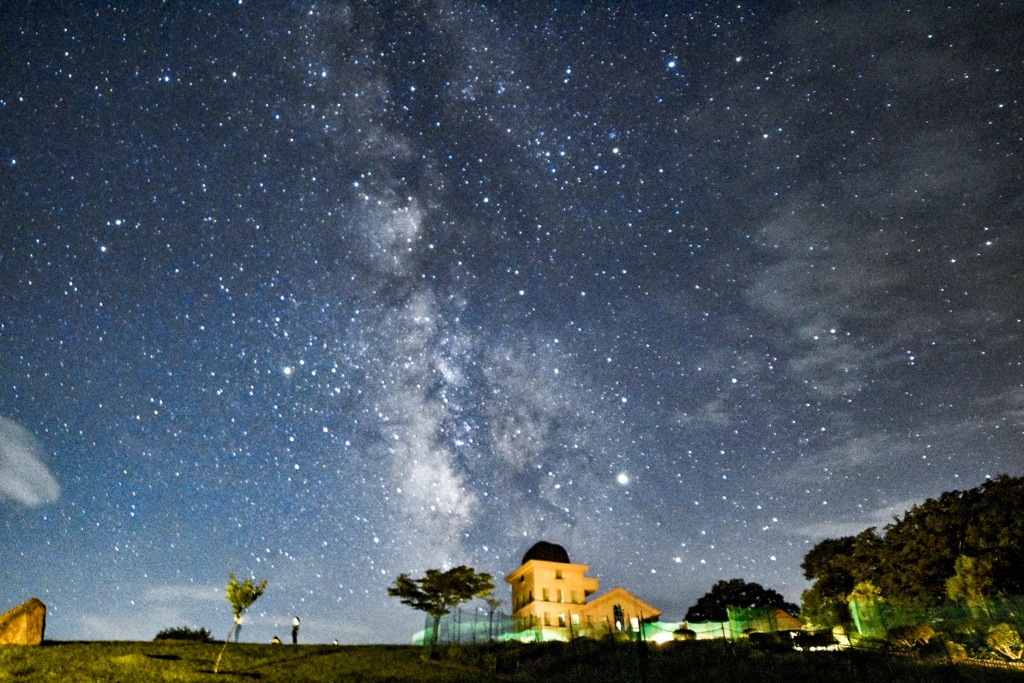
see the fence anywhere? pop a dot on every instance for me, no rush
(874, 618)
(468, 626)
(632, 655)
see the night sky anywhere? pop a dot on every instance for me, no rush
(322, 293)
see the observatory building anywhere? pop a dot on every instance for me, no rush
(551, 596)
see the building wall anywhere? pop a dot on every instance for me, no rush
(548, 594)
(618, 610)
(550, 599)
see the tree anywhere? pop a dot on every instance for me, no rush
(241, 596)
(919, 551)
(736, 593)
(821, 612)
(830, 564)
(866, 593)
(998, 532)
(437, 593)
(493, 604)
(865, 600)
(972, 582)
(964, 545)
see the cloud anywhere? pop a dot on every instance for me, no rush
(837, 317)
(715, 413)
(854, 248)
(836, 528)
(23, 476)
(181, 593)
(848, 454)
(1008, 406)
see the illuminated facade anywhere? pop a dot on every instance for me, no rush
(549, 598)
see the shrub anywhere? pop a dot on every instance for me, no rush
(684, 634)
(1005, 640)
(184, 633)
(911, 635)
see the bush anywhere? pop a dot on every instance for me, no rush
(184, 633)
(684, 634)
(968, 634)
(1005, 640)
(911, 635)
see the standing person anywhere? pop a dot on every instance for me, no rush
(295, 631)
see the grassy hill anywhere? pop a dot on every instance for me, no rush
(145, 662)
(703, 662)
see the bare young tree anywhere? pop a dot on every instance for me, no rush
(241, 595)
(493, 604)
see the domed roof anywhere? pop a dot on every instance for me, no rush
(548, 552)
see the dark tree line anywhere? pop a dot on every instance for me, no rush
(963, 546)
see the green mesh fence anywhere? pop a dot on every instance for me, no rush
(744, 620)
(466, 626)
(874, 619)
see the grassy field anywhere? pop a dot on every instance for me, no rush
(143, 662)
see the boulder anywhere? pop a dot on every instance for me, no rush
(23, 625)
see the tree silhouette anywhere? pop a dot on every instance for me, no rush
(736, 593)
(438, 592)
(493, 604)
(831, 565)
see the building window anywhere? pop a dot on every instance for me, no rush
(558, 573)
(573, 596)
(547, 618)
(561, 620)
(561, 595)
(544, 595)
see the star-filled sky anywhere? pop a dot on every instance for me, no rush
(327, 292)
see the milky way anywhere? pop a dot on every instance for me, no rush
(322, 293)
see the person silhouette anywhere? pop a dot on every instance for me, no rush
(295, 631)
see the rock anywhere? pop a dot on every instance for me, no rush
(23, 625)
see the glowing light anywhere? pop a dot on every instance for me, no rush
(623, 478)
